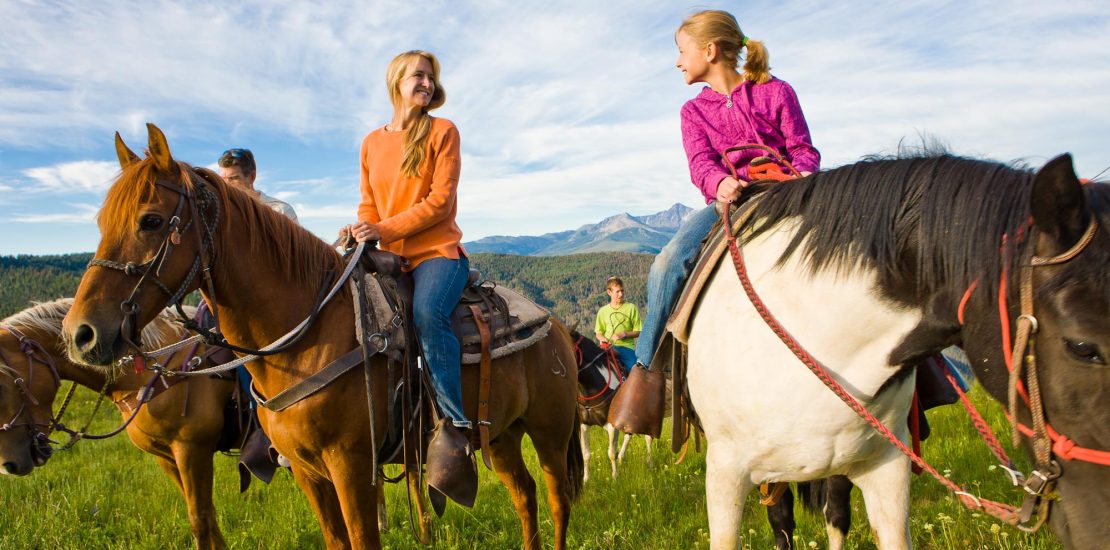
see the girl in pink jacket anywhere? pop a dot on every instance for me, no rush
(734, 108)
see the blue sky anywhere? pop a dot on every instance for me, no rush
(568, 110)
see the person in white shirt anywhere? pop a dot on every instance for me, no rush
(237, 168)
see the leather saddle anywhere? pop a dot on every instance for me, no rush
(514, 322)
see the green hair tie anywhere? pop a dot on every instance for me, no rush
(743, 41)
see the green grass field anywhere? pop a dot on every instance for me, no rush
(107, 494)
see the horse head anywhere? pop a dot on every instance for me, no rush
(1069, 348)
(1055, 286)
(27, 390)
(157, 225)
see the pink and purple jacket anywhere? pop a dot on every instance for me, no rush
(712, 123)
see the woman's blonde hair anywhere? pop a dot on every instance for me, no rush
(720, 28)
(417, 133)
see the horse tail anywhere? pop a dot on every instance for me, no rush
(832, 498)
(813, 495)
(576, 465)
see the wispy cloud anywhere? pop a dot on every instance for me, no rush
(83, 176)
(568, 110)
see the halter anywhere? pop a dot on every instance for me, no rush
(201, 198)
(611, 369)
(195, 197)
(40, 442)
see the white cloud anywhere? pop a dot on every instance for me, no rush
(568, 110)
(83, 176)
(338, 212)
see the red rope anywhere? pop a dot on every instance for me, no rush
(611, 367)
(999, 510)
(1062, 446)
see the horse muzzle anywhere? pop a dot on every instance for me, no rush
(89, 345)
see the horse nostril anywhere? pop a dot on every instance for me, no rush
(85, 337)
(11, 468)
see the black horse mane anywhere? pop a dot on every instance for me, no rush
(921, 222)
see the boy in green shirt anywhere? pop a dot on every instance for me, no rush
(618, 324)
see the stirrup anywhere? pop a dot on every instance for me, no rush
(451, 468)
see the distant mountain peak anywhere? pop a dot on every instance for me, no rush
(617, 233)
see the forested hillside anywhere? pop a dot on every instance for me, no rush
(572, 287)
(40, 278)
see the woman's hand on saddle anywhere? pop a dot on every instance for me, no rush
(729, 189)
(363, 232)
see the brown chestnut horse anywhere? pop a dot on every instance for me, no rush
(262, 273)
(181, 427)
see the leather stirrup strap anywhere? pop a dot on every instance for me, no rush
(770, 493)
(483, 384)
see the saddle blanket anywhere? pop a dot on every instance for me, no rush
(514, 321)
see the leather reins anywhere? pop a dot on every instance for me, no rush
(193, 197)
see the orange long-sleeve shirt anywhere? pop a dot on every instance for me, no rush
(416, 216)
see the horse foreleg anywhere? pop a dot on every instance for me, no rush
(584, 440)
(357, 496)
(838, 510)
(886, 495)
(781, 517)
(647, 444)
(510, 468)
(194, 466)
(612, 450)
(726, 486)
(624, 447)
(324, 501)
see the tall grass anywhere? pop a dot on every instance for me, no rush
(107, 494)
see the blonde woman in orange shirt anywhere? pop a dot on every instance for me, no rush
(410, 176)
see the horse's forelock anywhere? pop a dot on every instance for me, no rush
(135, 186)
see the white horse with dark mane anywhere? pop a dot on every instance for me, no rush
(865, 266)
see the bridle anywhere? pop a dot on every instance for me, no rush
(198, 198)
(1046, 442)
(611, 369)
(40, 441)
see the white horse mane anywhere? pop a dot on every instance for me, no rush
(47, 317)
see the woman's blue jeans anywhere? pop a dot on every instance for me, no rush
(439, 283)
(668, 275)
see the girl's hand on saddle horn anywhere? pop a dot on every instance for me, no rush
(363, 232)
(729, 189)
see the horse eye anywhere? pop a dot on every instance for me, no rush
(150, 222)
(1086, 352)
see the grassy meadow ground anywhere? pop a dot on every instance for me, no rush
(107, 494)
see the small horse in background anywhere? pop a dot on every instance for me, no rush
(183, 427)
(599, 375)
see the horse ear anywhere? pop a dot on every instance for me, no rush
(1057, 202)
(573, 326)
(159, 149)
(126, 156)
